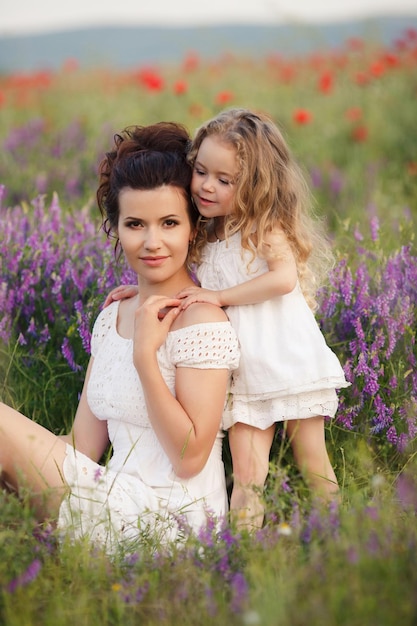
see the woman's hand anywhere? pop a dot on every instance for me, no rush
(153, 320)
(198, 294)
(121, 293)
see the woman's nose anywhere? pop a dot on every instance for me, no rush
(152, 240)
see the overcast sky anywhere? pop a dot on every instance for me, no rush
(23, 16)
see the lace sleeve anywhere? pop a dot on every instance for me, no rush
(205, 346)
(104, 322)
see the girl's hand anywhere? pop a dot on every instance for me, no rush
(153, 321)
(198, 294)
(121, 293)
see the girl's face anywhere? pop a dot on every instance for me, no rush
(214, 173)
(154, 230)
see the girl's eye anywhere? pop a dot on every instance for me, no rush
(199, 172)
(224, 182)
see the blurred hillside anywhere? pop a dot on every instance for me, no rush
(129, 46)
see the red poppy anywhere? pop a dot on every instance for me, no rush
(359, 133)
(151, 79)
(224, 97)
(391, 59)
(325, 83)
(377, 69)
(302, 116)
(180, 87)
(2, 98)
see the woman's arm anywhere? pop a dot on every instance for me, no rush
(186, 425)
(89, 435)
(279, 280)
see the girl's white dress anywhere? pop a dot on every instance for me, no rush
(286, 370)
(137, 494)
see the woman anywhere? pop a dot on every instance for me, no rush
(156, 384)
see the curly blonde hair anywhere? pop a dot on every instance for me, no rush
(271, 192)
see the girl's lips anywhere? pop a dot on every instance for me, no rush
(205, 202)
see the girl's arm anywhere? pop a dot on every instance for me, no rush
(89, 435)
(278, 281)
(186, 424)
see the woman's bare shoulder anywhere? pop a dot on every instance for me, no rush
(200, 313)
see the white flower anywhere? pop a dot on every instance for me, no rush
(251, 618)
(284, 529)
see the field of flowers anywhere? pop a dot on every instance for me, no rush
(349, 115)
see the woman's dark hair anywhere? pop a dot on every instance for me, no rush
(144, 157)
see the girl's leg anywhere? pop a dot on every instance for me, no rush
(307, 438)
(250, 448)
(31, 456)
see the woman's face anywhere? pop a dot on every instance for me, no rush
(154, 230)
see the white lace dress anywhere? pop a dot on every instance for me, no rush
(286, 370)
(137, 494)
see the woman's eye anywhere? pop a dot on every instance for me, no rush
(171, 223)
(134, 224)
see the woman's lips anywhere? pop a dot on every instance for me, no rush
(153, 261)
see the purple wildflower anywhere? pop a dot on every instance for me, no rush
(372, 320)
(357, 234)
(285, 484)
(336, 182)
(374, 223)
(239, 589)
(352, 555)
(69, 355)
(26, 577)
(3, 194)
(407, 491)
(316, 177)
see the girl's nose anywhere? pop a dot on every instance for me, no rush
(208, 184)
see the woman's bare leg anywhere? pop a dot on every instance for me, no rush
(32, 457)
(307, 438)
(250, 448)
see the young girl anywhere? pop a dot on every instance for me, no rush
(155, 389)
(261, 253)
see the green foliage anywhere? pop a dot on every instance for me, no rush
(355, 565)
